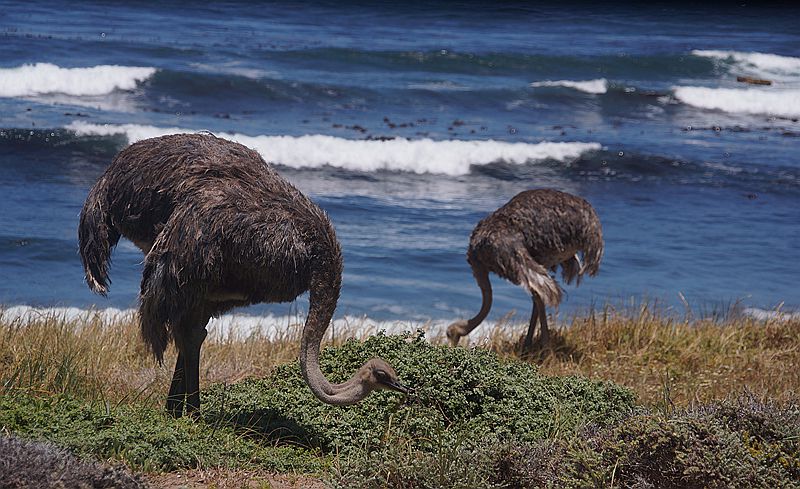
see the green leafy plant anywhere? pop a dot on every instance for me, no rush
(456, 390)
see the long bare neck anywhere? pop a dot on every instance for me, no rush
(324, 289)
(482, 277)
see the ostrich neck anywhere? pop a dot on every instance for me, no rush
(324, 293)
(482, 277)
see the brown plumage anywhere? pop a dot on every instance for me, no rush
(535, 232)
(220, 229)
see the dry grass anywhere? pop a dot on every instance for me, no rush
(662, 358)
(670, 361)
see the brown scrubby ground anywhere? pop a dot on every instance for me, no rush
(232, 479)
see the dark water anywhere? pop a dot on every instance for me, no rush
(696, 177)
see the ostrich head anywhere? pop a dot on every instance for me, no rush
(378, 374)
(455, 331)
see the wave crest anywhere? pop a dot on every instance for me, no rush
(596, 87)
(46, 78)
(784, 103)
(452, 157)
(761, 64)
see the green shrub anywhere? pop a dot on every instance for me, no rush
(143, 438)
(457, 391)
(736, 443)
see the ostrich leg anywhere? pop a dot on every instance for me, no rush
(527, 346)
(185, 388)
(544, 333)
(177, 390)
(192, 366)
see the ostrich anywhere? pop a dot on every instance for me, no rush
(534, 232)
(219, 229)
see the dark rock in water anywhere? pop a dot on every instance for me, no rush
(40, 464)
(753, 81)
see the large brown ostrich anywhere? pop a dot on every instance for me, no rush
(534, 232)
(219, 229)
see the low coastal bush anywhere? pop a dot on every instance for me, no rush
(142, 437)
(25, 464)
(459, 393)
(736, 443)
(741, 442)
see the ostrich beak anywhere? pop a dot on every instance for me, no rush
(397, 386)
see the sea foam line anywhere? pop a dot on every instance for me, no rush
(597, 87)
(46, 78)
(453, 157)
(784, 103)
(241, 326)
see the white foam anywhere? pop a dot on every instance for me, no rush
(763, 315)
(785, 103)
(46, 78)
(441, 86)
(597, 87)
(28, 314)
(764, 65)
(235, 68)
(243, 325)
(453, 157)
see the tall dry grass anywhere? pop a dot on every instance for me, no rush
(664, 359)
(670, 360)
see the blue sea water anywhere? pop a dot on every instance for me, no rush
(408, 123)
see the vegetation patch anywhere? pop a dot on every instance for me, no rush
(459, 393)
(142, 437)
(26, 464)
(478, 418)
(736, 443)
(741, 442)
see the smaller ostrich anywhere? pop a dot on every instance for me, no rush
(534, 232)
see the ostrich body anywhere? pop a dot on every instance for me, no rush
(535, 232)
(219, 229)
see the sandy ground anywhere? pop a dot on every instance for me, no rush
(226, 478)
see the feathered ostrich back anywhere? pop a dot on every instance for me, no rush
(534, 232)
(210, 214)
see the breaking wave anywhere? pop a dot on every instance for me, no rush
(451, 157)
(597, 87)
(784, 103)
(782, 98)
(784, 68)
(46, 78)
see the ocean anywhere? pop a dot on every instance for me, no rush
(408, 123)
